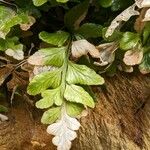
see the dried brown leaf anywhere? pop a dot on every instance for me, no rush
(107, 53)
(124, 16)
(5, 72)
(133, 57)
(83, 47)
(139, 24)
(19, 79)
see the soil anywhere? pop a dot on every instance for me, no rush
(120, 121)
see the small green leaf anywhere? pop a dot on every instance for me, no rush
(146, 32)
(3, 45)
(145, 65)
(81, 74)
(74, 109)
(90, 30)
(105, 3)
(62, 1)
(9, 43)
(7, 21)
(5, 17)
(48, 56)
(5, 14)
(117, 4)
(77, 94)
(39, 2)
(120, 4)
(57, 39)
(129, 40)
(114, 37)
(75, 15)
(14, 21)
(43, 81)
(49, 98)
(45, 102)
(3, 108)
(51, 115)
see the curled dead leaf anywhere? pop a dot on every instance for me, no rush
(124, 16)
(83, 47)
(107, 53)
(133, 57)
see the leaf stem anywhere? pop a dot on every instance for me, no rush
(65, 67)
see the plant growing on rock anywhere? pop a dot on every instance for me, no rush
(65, 61)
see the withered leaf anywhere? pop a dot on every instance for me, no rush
(5, 72)
(82, 47)
(133, 57)
(124, 16)
(107, 53)
(139, 24)
(19, 79)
